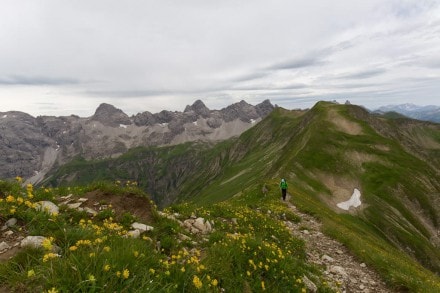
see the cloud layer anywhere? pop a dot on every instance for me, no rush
(154, 55)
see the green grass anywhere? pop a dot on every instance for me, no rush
(254, 253)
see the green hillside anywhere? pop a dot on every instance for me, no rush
(324, 154)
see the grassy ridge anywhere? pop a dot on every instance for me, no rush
(388, 225)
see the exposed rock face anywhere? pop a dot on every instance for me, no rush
(108, 115)
(30, 147)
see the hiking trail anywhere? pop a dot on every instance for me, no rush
(339, 265)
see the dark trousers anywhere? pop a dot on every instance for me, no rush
(284, 192)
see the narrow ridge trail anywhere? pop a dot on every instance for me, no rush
(341, 267)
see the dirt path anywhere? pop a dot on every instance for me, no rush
(341, 268)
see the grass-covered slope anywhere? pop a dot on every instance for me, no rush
(335, 148)
(249, 251)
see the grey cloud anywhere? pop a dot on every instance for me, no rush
(363, 74)
(251, 76)
(36, 80)
(301, 62)
(270, 87)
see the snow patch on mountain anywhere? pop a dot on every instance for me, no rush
(354, 201)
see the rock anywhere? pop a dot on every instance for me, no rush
(47, 206)
(337, 270)
(188, 223)
(83, 199)
(11, 222)
(327, 258)
(37, 242)
(208, 226)
(183, 237)
(8, 233)
(67, 196)
(74, 205)
(142, 227)
(309, 284)
(306, 232)
(194, 230)
(363, 265)
(90, 211)
(200, 224)
(134, 233)
(139, 226)
(4, 246)
(339, 252)
(32, 241)
(362, 287)
(193, 216)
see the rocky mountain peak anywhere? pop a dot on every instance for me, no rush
(109, 115)
(198, 108)
(264, 108)
(240, 110)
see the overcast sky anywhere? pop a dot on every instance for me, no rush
(66, 57)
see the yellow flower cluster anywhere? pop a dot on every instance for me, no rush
(197, 283)
(49, 256)
(29, 191)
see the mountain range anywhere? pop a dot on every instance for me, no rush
(30, 147)
(426, 113)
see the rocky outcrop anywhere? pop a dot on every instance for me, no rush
(108, 115)
(30, 147)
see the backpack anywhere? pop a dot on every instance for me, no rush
(283, 185)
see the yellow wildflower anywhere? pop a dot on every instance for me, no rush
(126, 274)
(92, 278)
(136, 253)
(197, 283)
(92, 254)
(263, 286)
(106, 268)
(118, 274)
(85, 242)
(12, 211)
(30, 273)
(182, 269)
(73, 248)
(152, 271)
(47, 243)
(214, 283)
(49, 256)
(19, 179)
(20, 200)
(10, 198)
(53, 290)
(106, 248)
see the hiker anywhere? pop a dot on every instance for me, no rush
(283, 186)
